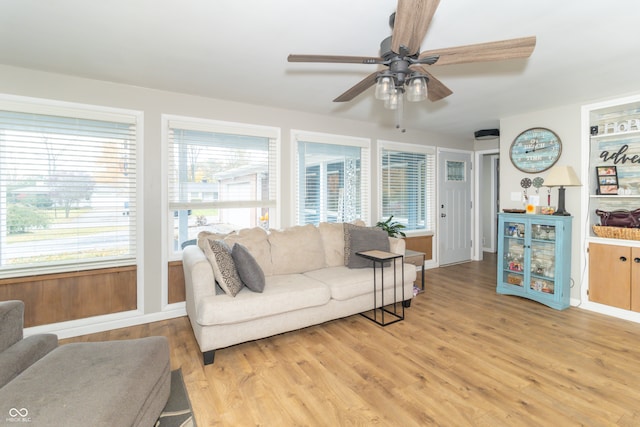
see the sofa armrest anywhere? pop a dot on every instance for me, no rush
(199, 281)
(397, 246)
(23, 354)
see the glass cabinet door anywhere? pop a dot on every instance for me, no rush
(513, 254)
(534, 258)
(543, 259)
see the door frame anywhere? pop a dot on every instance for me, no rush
(472, 194)
(477, 252)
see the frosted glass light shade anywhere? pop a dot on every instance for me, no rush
(384, 87)
(395, 98)
(417, 90)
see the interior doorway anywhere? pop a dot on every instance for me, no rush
(487, 196)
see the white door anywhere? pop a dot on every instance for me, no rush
(455, 207)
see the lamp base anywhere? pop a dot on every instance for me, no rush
(561, 210)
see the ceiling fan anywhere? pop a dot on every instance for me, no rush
(406, 65)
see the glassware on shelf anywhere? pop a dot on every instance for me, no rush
(537, 232)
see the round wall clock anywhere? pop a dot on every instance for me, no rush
(535, 150)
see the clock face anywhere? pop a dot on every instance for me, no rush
(535, 150)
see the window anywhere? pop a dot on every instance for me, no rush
(222, 177)
(456, 171)
(408, 185)
(332, 182)
(67, 187)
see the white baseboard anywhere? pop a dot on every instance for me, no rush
(91, 325)
(430, 263)
(620, 313)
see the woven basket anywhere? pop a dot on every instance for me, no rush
(617, 232)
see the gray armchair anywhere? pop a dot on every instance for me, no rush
(16, 352)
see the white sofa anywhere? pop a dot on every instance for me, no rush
(306, 282)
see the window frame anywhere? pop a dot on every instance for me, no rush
(430, 199)
(73, 110)
(215, 126)
(364, 144)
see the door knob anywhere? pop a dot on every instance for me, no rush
(636, 260)
(443, 215)
(623, 258)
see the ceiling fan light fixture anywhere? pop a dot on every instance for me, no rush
(394, 100)
(417, 88)
(384, 86)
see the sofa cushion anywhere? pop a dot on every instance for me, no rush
(204, 237)
(358, 239)
(346, 283)
(224, 269)
(12, 320)
(256, 241)
(332, 235)
(125, 383)
(23, 354)
(248, 269)
(282, 293)
(296, 249)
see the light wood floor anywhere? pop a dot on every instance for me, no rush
(463, 356)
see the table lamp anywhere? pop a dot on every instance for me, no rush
(561, 176)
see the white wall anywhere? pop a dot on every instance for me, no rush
(565, 122)
(153, 103)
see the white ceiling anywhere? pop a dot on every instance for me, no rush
(237, 50)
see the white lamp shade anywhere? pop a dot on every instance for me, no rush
(562, 176)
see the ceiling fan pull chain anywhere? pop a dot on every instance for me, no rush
(399, 117)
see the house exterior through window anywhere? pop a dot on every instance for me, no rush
(332, 182)
(67, 187)
(407, 185)
(222, 177)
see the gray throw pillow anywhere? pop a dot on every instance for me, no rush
(224, 268)
(248, 269)
(360, 239)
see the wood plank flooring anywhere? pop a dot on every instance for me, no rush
(463, 356)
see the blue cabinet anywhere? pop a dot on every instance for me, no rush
(534, 258)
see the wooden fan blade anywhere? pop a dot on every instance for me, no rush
(336, 59)
(436, 90)
(492, 51)
(411, 23)
(360, 87)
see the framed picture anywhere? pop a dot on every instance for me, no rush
(606, 170)
(607, 179)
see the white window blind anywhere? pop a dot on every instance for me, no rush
(222, 177)
(408, 188)
(332, 178)
(67, 189)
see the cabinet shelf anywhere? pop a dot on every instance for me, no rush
(614, 196)
(538, 276)
(617, 135)
(535, 268)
